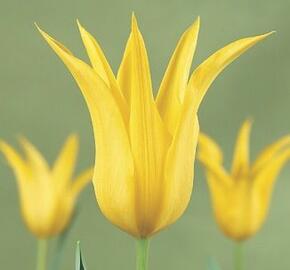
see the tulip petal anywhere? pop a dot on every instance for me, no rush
(265, 179)
(97, 57)
(179, 171)
(240, 166)
(114, 169)
(208, 147)
(103, 69)
(81, 181)
(64, 165)
(204, 75)
(268, 153)
(210, 155)
(171, 92)
(149, 141)
(215, 169)
(264, 182)
(125, 71)
(101, 66)
(16, 162)
(35, 159)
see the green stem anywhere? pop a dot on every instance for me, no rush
(142, 254)
(41, 254)
(238, 256)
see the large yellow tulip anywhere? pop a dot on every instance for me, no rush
(47, 195)
(145, 147)
(241, 197)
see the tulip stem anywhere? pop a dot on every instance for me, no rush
(41, 254)
(142, 254)
(238, 256)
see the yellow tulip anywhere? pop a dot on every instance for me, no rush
(47, 195)
(241, 197)
(145, 147)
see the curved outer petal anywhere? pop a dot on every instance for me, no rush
(38, 197)
(103, 69)
(64, 209)
(65, 204)
(219, 182)
(179, 171)
(204, 75)
(16, 162)
(97, 57)
(125, 71)
(114, 170)
(267, 154)
(234, 208)
(241, 158)
(35, 160)
(209, 148)
(263, 185)
(62, 215)
(171, 92)
(63, 168)
(215, 170)
(81, 181)
(149, 141)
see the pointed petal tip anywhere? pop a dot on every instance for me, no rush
(74, 135)
(195, 25)
(197, 21)
(23, 140)
(37, 27)
(134, 24)
(271, 32)
(249, 121)
(266, 35)
(80, 27)
(247, 125)
(13, 157)
(43, 33)
(133, 16)
(3, 145)
(73, 138)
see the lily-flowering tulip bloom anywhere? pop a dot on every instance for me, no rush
(241, 197)
(47, 195)
(145, 147)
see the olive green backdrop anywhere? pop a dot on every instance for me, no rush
(39, 99)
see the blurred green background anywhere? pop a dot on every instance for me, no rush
(39, 99)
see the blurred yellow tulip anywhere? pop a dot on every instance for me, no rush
(47, 195)
(241, 197)
(145, 147)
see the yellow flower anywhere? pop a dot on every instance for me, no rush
(47, 195)
(145, 147)
(241, 197)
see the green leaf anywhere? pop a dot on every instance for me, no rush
(212, 264)
(79, 260)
